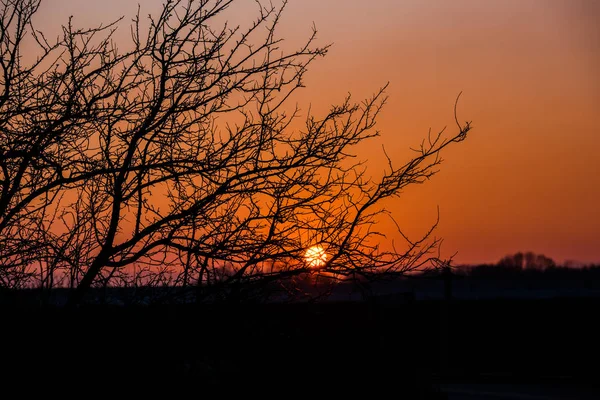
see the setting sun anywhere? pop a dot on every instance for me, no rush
(315, 256)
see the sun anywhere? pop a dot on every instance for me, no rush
(315, 256)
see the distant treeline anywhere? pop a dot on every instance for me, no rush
(530, 264)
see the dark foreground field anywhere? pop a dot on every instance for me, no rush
(358, 346)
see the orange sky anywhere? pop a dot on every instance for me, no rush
(527, 177)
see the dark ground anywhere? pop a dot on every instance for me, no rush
(344, 346)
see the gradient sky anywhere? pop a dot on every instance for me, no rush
(527, 179)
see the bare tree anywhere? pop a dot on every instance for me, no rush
(47, 109)
(179, 161)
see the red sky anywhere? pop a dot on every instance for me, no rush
(528, 176)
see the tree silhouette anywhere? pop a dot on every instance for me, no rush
(179, 161)
(528, 260)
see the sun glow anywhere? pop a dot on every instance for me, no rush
(315, 256)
